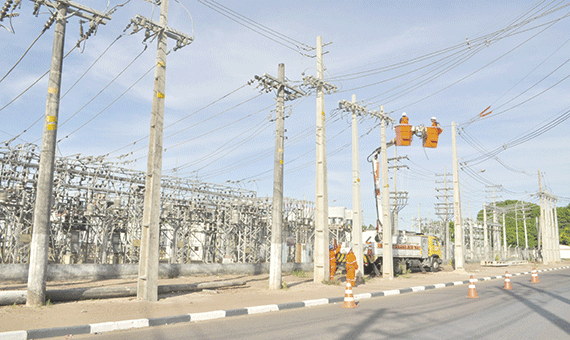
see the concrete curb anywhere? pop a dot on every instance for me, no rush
(169, 320)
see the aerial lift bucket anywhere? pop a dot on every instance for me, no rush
(403, 135)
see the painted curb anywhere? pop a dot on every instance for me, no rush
(103, 327)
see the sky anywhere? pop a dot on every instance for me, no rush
(448, 59)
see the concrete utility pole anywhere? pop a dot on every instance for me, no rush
(485, 233)
(147, 284)
(357, 110)
(356, 203)
(321, 251)
(276, 229)
(284, 92)
(459, 260)
(387, 257)
(39, 246)
(277, 226)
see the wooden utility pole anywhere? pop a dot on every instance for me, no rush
(39, 246)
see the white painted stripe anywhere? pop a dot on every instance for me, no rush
(488, 278)
(118, 325)
(391, 292)
(457, 283)
(262, 309)
(498, 277)
(418, 288)
(363, 296)
(439, 285)
(16, 335)
(128, 324)
(207, 315)
(102, 327)
(317, 302)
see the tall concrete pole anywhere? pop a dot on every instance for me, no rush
(147, 285)
(321, 263)
(505, 250)
(471, 234)
(277, 226)
(356, 206)
(542, 225)
(485, 232)
(556, 229)
(40, 235)
(494, 233)
(525, 231)
(459, 259)
(387, 259)
(446, 222)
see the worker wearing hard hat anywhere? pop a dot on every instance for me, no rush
(351, 267)
(435, 123)
(404, 119)
(333, 251)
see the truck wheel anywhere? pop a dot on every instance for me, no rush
(434, 264)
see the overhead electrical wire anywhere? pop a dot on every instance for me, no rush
(176, 122)
(256, 27)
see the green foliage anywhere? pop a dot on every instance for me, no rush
(299, 273)
(284, 286)
(514, 221)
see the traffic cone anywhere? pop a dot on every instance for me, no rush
(472, 290)
(534, 277)
(348, 297)
(508, 281)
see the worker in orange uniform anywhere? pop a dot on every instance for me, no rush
(435, 123)
(404, 119)
(351, 267)
(333, 251)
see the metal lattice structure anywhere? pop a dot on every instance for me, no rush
(97, 212)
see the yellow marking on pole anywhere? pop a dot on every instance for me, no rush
(323, 113)
(51, 122)
(161, 64)
(280, 150)
(281, 161)
(52, 90)
(160, 95)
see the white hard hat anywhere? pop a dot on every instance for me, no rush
(433, 118)
(404, 114)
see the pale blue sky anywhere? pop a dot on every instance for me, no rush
(449, 59)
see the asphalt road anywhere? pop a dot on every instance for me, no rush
(528, 311)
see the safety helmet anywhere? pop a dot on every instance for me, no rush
(433, 118)
(404, 114)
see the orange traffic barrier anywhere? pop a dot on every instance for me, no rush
(348, 297)
(508, 284)
(472, 290)
(534, 277)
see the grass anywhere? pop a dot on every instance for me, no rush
(334, 282)
(299, 273)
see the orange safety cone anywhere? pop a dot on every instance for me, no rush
(508, 284)
(472, 290)
(534, 277)
(348, 297)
